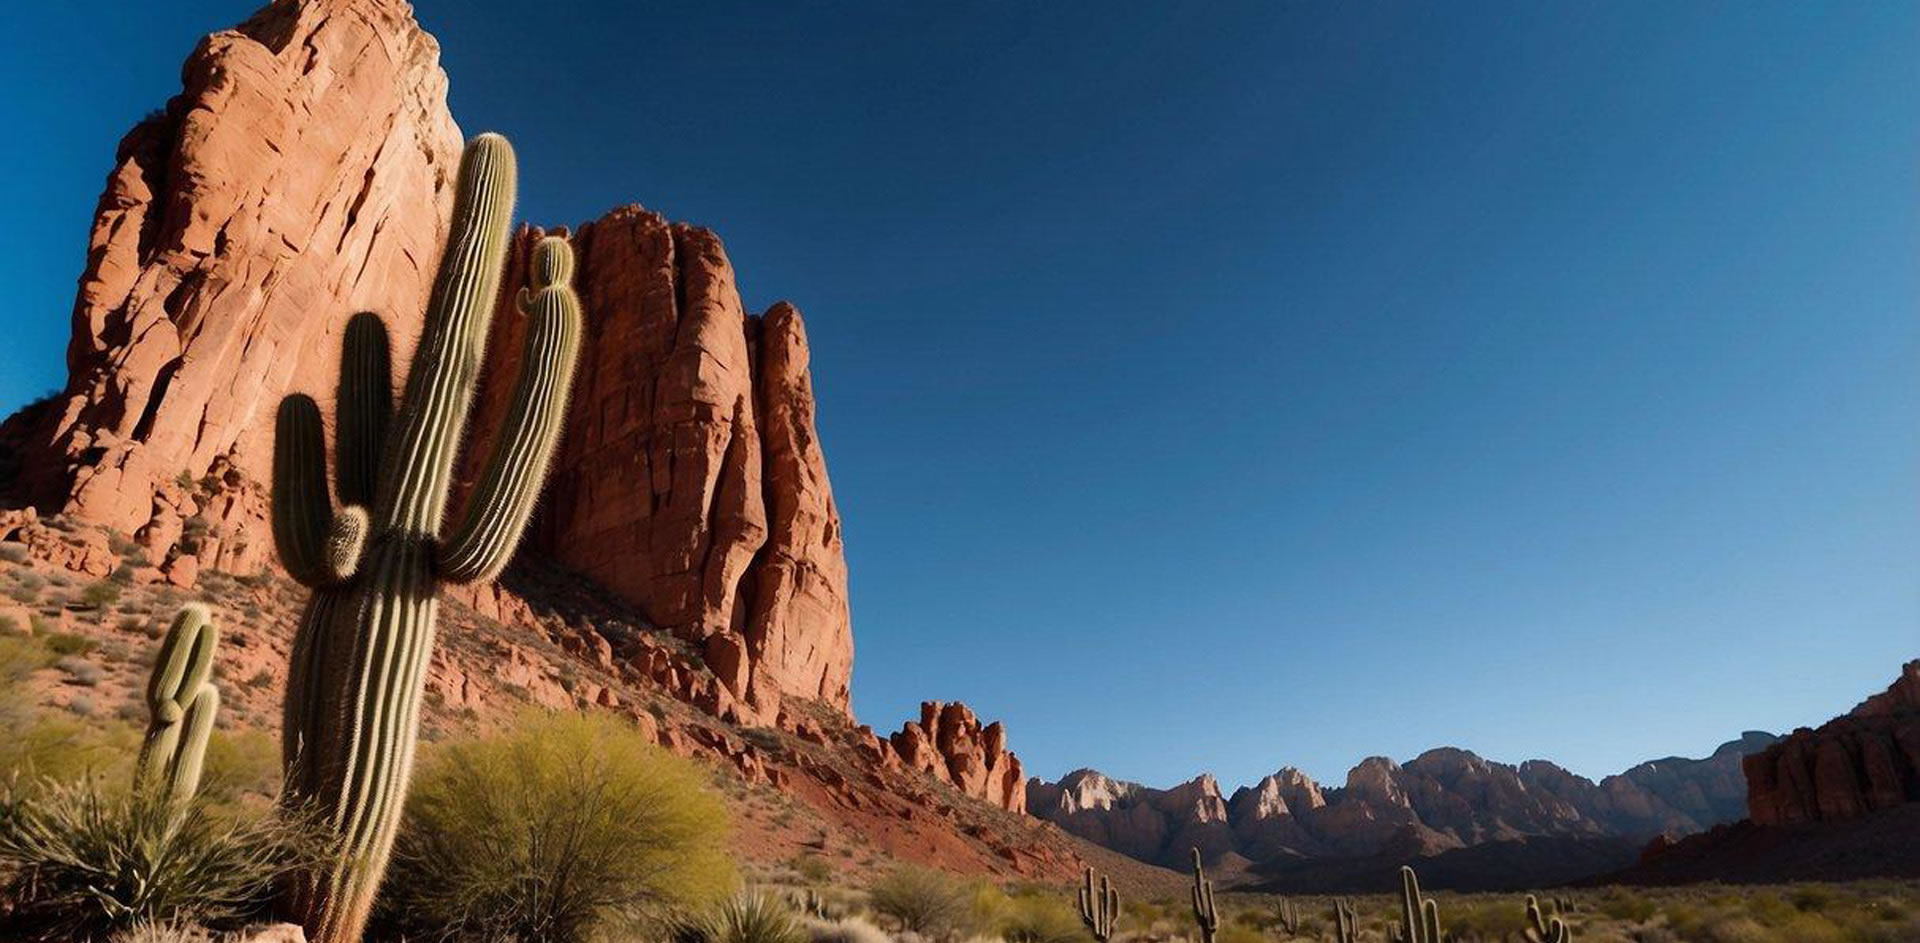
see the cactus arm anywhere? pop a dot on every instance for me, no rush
(498, 510)
(417, 467)
(182, 703)
(363, 410)
(301, 511)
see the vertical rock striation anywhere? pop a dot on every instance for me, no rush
(1861, 762)
(302, 173)
(691, 481)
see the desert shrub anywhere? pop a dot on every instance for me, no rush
(567, 827)
(82, 706)
(239, 763)
(13, 552)
(80, 862)
(813, 869)
(1231, 932)
(101, 594)
(21, 656)
(80, 671)
(68, 643)
(847, 930)
(1032, 918)
(1490, 919)
(921, 901)
(746, 918)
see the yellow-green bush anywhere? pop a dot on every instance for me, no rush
(567, 827)
(923, 901)
(1038, 918)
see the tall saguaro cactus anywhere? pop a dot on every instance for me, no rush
(1099, 907)
(182, 704)
(376, 564)
(1419, 917)
(1287, 914)
(1204, 912)
(1346, 924)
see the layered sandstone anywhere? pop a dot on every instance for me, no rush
(950, 744)
(303, 174)
(1856, 764)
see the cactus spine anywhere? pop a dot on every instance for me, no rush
(1204, 912)
(1544, 929)
(182, 704)
(1288, 913)
(1419, 917)
(375, 566)
(1346, 927)
(1099, 907)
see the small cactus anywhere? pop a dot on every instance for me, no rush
(1099, 907)
(1204, 913)
(1419, 917)
(1346, 926)
(1544, 929)
(1288, 913)
(182, 704)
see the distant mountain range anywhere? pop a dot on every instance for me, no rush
(1442, 800)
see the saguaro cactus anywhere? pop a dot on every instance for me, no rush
(360, 657)
(1346, 926)
(1419, 917)
(1204, 912)
(1288, 914)
(1544, 929)
(1099, 907)
(182, 704)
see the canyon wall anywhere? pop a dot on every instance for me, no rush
(1861, 762)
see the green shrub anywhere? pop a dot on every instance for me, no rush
(921, 901)
(747, 918)
(67, 643)
(1030, 918)
(568, 827)
(81, 863)
(101, 594)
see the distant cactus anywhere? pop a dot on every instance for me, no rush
(1204, 913)
(1099, 907)
(1544, 929)
(1346, 926)
(182, 704)
(1419, 917)
(376, 565)
(1288, 913)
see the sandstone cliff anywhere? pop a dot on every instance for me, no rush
(950, 744)
(1861, 762)
(1444, 799)
(301, 176)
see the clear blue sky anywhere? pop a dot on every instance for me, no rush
(1222, 385)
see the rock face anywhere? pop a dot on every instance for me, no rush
(1443, 799)
(691, 481)
(304, 174)
(1862, 762)
(950, 744)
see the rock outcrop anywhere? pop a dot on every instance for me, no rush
(302, 175)
(1444, 799)
(950, 744)
(691, 481)
(1856, 764)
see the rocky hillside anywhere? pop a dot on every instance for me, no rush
(1443, 799)
(687, 568)
(302, 175)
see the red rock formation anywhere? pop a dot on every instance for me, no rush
(1853, 765)
(301, 174)
(949, 744)
(691, 481)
